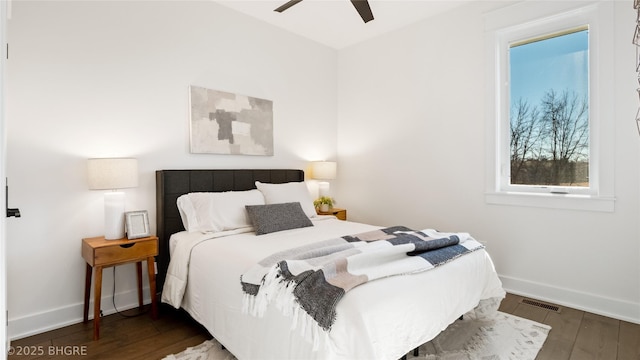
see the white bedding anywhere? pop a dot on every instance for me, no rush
(382, 319)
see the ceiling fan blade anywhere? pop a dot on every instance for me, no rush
(287, 5)
(363, 9)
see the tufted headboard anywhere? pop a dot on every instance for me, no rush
(170, 184)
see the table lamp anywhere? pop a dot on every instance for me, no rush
(323, 170)
(113, 174)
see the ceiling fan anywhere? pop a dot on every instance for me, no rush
(362, 6)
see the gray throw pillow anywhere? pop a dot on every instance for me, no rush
(277, 217)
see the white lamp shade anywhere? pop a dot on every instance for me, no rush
(323, 170)
(111, 174)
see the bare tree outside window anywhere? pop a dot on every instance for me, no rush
(550, 141)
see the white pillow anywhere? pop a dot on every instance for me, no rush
(215, 212)
(187, 213)
(288, 192)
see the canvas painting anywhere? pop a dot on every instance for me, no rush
(226, 123)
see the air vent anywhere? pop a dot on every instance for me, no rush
(554, 308)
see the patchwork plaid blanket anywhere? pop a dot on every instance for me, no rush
(315, 277)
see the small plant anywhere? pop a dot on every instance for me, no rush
(323, 200)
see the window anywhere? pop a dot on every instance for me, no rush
(550, 139)
(549, 112)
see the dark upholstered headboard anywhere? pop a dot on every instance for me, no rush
(170, 184)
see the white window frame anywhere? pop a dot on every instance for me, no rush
(528, 20)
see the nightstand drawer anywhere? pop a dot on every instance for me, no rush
(126, 252)
(341, 214)
(119, 251)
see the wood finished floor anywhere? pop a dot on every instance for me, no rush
(576, 335)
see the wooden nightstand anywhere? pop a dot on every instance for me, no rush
(339, 213)
(100, 253)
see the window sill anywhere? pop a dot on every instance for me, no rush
(552, 201)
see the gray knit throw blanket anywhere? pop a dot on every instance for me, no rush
(315, 277)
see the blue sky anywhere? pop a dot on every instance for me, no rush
(559, 63)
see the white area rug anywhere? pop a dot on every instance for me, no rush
(504, 337)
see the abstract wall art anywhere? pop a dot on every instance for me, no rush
(226, 123)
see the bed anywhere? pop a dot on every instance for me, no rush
(381, 319)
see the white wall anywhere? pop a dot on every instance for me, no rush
(411, 145)
(111, 78)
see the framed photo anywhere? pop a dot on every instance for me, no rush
(137, 224)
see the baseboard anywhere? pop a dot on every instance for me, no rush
(72, 314)
(605, 306)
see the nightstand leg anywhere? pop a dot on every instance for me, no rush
(87, 292)
(97, 294)
(152, 286)
(139, 273)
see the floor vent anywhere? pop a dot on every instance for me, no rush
(554, 308)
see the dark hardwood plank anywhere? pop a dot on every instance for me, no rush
(510, 303)
(141, 348)
(564, 330)
(629, 341)
(30, 349)
(597, 338)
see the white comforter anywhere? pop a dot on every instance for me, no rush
(382, 319)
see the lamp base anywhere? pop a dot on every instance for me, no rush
(323, 188)
(114, 215)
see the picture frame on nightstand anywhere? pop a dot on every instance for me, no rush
(137, 224)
